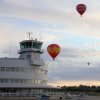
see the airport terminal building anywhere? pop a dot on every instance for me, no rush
(26, 74)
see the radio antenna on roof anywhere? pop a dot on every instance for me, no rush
(29, 33)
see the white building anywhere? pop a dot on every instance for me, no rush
(25, 74)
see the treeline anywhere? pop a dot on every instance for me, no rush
(82, 88)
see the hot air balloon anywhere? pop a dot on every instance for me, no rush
(88, 63)
(53, 50)
(81, 8)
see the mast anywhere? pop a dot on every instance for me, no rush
(29, 35)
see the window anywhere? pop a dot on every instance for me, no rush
(19, 69)
(22, 45)
(1, 80)
(35, 81)
(7, 69)
(2, 69)
(32, 81)
(12, 69)
(16, 80)
(12, 81)
(6, 80)
(30, 44)
(37, 45)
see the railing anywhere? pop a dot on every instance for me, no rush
(30, 49)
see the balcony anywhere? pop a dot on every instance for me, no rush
(30, 50)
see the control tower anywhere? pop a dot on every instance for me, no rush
(26, 73)
(31, 50)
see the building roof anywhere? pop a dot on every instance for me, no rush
(13, 62)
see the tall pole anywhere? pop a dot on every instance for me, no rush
(29, 35)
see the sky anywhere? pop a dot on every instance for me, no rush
(56, 21)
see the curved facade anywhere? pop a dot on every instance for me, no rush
(28, 71)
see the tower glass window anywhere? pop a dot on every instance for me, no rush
(22, 45)
(37, 45)
(28, 44)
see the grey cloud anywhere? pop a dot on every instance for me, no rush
(71, 52)
(72, 69)
(49, 15)
(72, 73)
(37, 14)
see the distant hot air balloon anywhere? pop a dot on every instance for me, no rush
(81, 8)
(53, 50)
(88, 63)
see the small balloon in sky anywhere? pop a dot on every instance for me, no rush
(53, 50)
(88, 63)
(81, 8)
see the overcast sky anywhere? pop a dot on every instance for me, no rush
(56, 21)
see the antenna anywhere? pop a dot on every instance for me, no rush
(29, 35)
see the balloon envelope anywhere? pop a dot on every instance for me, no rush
(53, 50)
(88, 63)
(81, 8)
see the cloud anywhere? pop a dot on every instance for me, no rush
(23, 3)
(71, 65)
(69, 73)
(83, 26)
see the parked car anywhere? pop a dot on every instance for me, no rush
(42, 97)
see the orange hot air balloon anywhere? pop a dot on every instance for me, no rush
(81, 8)
(53, 50)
